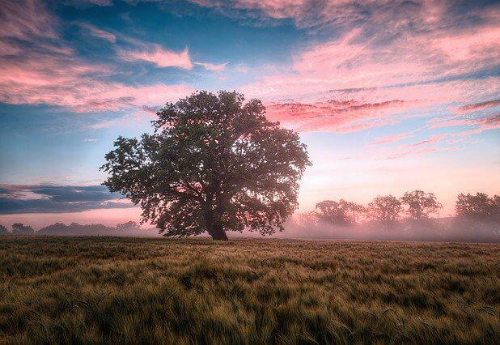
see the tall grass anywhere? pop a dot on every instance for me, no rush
(125, 290)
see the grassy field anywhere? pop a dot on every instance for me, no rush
(126, 290)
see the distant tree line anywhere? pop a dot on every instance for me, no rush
(385, 209)
(411, 214)
(479, 207)
(415, 205)
(60, 229)
(17, 229)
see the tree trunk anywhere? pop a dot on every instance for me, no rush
(217, 233)
(212, 219)
(214, 227)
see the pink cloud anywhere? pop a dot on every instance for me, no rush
(212, 67)
(52, 74)
(353, 113)
(334, 115)
(100, 2)
(105, 35)
(412, 153)
(159, 56)
(468, 46)
(305, 13)
(490, 122)
(452, 123)
(71, 83)
(114, 96)
(355, 63)
(79, 91)
(240, 68)
(416, 67)
(392, 138)
(479, 106)
(91, 2)
(429, 145)
(480, 124)
(432, 140)
(26, 19)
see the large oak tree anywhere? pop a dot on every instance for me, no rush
(213, 164)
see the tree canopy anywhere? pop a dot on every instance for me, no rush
(479, 207)
(385, 209)
(127, 226)
(3, 230)
(213, 164)
(21, 229)
(420, 205)
(344, 213)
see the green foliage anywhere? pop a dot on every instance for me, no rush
(21, 229)
(385, 209)
(110, 290)
(420, 205)
(214, 164)
(3, 230)
(478, 207)
(127, 226)
(343, 213)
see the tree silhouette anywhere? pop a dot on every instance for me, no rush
(420, 205)
(213, 164)
(340, 212)
(21, 229)
(128, 226)
(385, 209)
(3, 230)
(478, 207)
(496, 205)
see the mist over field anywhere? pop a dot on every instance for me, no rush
(305, 227)
(441, 229)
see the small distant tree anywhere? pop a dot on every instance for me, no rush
(420, 205)
(214, 164)
(21, 229)
(128, 226)
(496, 203)
(3, 230)
(385, 209)
(343, 213)
(478, 207)
(496, 200)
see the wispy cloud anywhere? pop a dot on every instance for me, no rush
(479, 106)
(383, 58)
(389, 139)
(424, 55)
(241, 68)
(90, 2)
(156, 54)
(38, 67)
(212, 67)
(333, 115)
(103, 34)
(24, 20)
(429, 145)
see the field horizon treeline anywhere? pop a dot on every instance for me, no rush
(414, 216)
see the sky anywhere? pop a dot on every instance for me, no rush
(389, 95)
